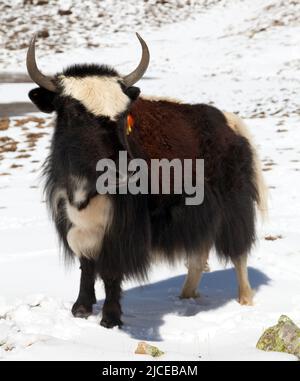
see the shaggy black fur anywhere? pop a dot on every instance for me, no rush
(142, 224)
(90, 70)
(43, 99)
(127, 243)
(83, 306)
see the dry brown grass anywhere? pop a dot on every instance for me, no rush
(273, 237)
(13, 166)
(40, 122)
(33, 137)
(7, 144)
(4, 124)
(23, 156)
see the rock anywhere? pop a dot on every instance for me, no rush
(43, 33)
(144, 348)
(273, 237)
(64, 12)
(283, 337)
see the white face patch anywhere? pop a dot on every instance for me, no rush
(102, 96)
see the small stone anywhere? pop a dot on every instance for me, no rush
(43, 33)
(64, 12)
(42, 2)
(283, 337)
(144, 348)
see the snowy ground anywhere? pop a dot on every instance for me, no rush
(241, 59)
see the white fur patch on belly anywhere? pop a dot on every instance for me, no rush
(89, 225)
(102, 96)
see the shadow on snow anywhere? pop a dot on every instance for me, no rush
(144, 307)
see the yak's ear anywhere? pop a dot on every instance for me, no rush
(132, 92)
(43, 99)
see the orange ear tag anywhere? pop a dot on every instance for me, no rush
(130, 124)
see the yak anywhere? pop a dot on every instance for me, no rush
(119, 236)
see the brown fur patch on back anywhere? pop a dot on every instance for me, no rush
(163, 130)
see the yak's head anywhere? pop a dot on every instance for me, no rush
(90, 102)
(99, 89)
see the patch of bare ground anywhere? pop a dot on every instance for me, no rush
(40, 122)
(32, 130)
(4, 124)
(14, 166)
(7, 144)
(33, 137)
(26, 156)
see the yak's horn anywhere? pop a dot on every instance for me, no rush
(33, 71)
(137, 74)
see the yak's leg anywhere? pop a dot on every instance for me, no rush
(196, 266)
(111, 312)
(83, 307)
(245, 291)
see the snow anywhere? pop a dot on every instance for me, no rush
(221, 55)
(14, 92)
(82, 23)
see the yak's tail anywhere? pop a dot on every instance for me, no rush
(239, 126)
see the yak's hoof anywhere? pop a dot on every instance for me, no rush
(111, 322)
(246, 298)
(81, 310)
